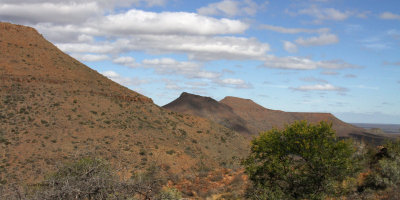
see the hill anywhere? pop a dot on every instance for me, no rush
(254, 118)
(208, 108)
(261, 118)
(54, 109)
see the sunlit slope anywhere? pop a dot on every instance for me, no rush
(55, 109)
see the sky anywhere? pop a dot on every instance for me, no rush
(336, 56)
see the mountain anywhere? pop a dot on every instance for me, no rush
(260, 118)
(254, 118)
(54, 109)
(208, 108)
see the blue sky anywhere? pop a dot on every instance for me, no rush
(335, 56)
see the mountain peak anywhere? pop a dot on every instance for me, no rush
(232, 98)
(245, 104)
(188, 101)
(15, 27)
(208, 107)
(27, 56)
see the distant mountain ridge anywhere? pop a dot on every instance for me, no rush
(254, 118)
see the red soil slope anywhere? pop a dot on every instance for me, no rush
(262, 119)
(54, 109)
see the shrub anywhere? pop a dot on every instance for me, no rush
(170, 152)
(169, 194)
(303, 161)
(91, 178)
(85, 179)
(384, 169)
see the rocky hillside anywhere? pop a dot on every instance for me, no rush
(260, 118)
(254, 118)
(55, 109)
(208, 108)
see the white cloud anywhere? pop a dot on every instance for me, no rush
(289, 63)
(289, 47)
(142, 22)
(90, 57)
(392, 63)
(353, 28)
(197, 47)
(319, 87)
(126, 61)
(313, 79)
(111, 74)
(324, 39)
(151, 3)
(49, 12)
(136, 30)
(191, 70)
(65, 33)
(350, 76)
(322, 14)
(187, 69)
(126, 81)
(389, 15)
(172, 85)
(375, 43)
(281, 29)
(336, 64)
(301, 63)
(101, 48)
(105, 4)
(376, 46)
(214, 48)
(395, 34)
(234, 82)
(363, 15)
(366, 87)
(232, 8)
(330, 73)
(85, 38)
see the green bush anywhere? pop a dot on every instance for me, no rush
(169, 194)
(303, 161)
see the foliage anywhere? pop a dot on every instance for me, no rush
(385, 168)
(91, 178)
(169, 194)
(85, 179)
(303, 161)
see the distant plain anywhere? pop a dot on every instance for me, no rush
(387, 128)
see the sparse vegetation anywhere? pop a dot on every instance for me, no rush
(58, 110)
(92, 178)
(382, 174)
(170, 152)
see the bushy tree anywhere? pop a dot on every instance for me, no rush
(302, 161)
